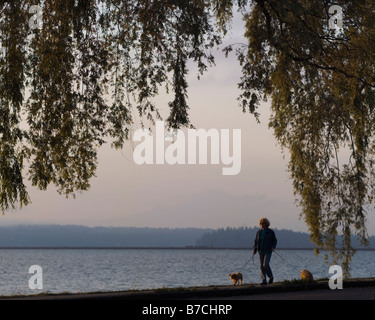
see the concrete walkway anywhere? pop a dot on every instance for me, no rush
(351, 293)
(362, 289)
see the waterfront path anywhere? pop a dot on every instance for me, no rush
(359, 289)
(351, 293)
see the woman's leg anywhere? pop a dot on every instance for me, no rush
(267, 267)
(263, 271)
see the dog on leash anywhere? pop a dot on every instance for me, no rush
(236, 278)
(306, 275)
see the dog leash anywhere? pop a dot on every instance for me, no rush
(247, 262)
(295, 268)
(241, 269)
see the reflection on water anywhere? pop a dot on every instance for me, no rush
(83, 270)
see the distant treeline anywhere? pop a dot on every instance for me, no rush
(244, 238)
(81, 236)
(116, 237)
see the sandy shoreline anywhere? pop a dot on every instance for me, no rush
(215, 292)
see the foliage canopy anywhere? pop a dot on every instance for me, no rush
(320, 82)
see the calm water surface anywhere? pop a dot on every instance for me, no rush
(89, 270)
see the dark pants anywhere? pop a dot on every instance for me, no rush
(265, 269)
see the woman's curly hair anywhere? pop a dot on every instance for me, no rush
(266, 221)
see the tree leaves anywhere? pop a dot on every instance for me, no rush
(321, 85)
(78, 78)
(12, 77)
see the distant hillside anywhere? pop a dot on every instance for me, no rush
(244, 238)
(80, 236)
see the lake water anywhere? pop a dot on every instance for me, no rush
(92, 270)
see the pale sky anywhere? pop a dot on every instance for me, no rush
(127, 194)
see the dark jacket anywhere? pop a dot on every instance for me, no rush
(269, 242)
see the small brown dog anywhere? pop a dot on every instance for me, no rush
(236, 278)
(306, 275)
